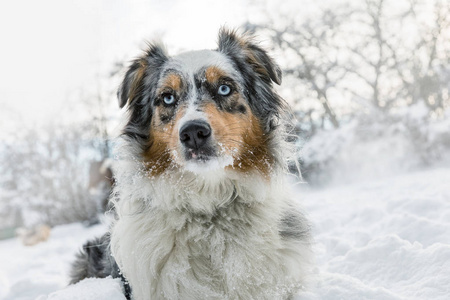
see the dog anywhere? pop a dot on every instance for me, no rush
(200, 195)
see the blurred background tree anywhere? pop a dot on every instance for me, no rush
(47, 169)
(359, 57)
(362, 72)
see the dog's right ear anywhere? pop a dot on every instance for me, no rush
(132, 85)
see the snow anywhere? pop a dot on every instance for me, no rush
(28, 272)
(380, 239)
(90, 289)
(385, 239)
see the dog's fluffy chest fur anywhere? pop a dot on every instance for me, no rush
(233, 250)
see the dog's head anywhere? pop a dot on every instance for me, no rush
(204, 110)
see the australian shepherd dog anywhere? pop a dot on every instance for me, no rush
(200, 198)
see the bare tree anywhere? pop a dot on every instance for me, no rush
(402, 59)
(377, 55)
(305, 45)
(46, 176)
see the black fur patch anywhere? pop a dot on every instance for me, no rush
(241, 109)
(95, 260)
(292, 226)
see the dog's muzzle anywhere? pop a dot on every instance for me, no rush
(195, 136)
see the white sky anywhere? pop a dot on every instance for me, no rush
(52, 49)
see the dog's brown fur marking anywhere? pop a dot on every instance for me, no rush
(213, 74)
(162, 142)
(242, 137)
(173, 81)
(137, 82)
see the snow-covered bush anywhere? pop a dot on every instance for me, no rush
(376, 145)
(368, 82)
(45, 177)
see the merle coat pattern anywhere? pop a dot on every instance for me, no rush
(200, 195)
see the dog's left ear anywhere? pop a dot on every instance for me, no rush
(243, 48)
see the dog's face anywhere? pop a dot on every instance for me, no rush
(203, 110)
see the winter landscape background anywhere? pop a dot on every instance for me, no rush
(368, 82)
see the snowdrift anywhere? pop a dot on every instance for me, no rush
(378, 240)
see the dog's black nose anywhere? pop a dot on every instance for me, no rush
(194, 134)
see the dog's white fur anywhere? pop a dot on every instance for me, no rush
(204, 236)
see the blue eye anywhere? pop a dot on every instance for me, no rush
(224, 90)
(169, 99)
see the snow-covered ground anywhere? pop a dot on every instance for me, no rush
(385, 239)
(28, 272)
